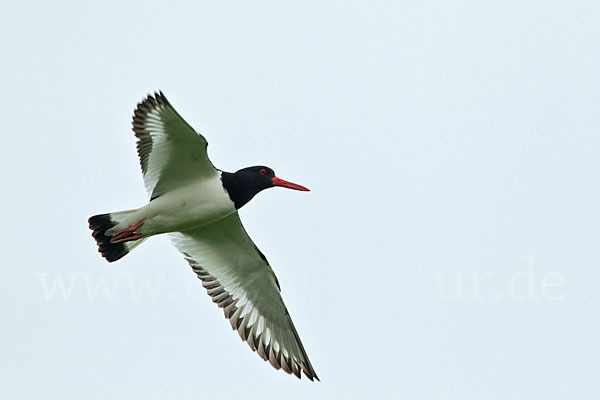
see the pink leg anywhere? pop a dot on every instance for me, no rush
(127, 234)
(129, 238)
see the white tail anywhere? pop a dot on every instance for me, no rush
(100, 224)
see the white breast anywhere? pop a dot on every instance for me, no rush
(186, 208)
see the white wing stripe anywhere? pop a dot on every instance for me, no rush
(252, 327)
(241, 282)
(171, 153)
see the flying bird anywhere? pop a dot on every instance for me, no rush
(197, 205)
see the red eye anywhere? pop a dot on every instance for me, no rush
(262, 171)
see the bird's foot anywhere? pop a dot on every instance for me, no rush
(127, 234)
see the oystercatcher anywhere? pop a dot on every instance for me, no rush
(196, 204)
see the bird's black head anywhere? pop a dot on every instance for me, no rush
(244, 184)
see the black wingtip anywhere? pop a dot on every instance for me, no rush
(152, 99)
(160, 96)
(310, 373)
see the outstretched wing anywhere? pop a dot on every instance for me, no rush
(239, 279)
(171, 153)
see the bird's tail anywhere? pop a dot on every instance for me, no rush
(100, 224)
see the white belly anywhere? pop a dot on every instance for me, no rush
(185, 208)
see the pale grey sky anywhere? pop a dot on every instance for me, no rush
(448, 248)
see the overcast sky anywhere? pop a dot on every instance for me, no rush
(448, 248)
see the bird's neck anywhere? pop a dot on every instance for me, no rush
(238, 189)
